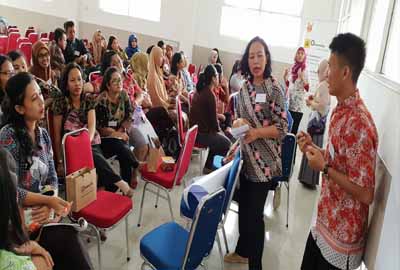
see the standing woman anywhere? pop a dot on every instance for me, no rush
(261, 103)
(297, 83)
(214, 57)
(319, 103)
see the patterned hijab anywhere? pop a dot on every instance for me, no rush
(140, 66)
(298, 65)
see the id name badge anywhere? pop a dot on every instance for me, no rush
(112, 123)
(261, 98)
(77, 53)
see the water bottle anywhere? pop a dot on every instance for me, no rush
(138, 116)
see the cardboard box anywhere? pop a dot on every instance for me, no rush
(81, 188)
(167, 164)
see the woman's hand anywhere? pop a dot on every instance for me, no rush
(251, 135)
(33, 248)
(41, 214)
(61, 207)
(221, 117)
(286, 74)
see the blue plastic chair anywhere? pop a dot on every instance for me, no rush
(288, 149)
(172, 247)
(229, 185)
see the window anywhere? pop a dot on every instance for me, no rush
(278, 22)
(147, 10)
(391, 67)
(352, 15)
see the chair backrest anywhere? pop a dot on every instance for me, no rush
(13, 30)
(192, 69)
(26, 49)
(43, 35)
(28, 31)
(94, 75)
(77, 150)
(51, 35)
(45, 40)
(203, 230)
(3, 44)
(33, 37)
(12, 41)
(288, 148)
(231, 181)
(22, 40)
(179, 119)
(185, 154)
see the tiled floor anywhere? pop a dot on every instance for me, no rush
(283, 247)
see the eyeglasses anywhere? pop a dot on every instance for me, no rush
(43, 55)
(116, 81)
(8, 73)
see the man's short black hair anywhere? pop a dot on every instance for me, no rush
(58, 33)
(351, 51)
(160, 44)
(68, 24)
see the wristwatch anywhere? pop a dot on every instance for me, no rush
(325, 170)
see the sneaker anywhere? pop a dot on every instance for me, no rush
(277, 198)
(235, 258)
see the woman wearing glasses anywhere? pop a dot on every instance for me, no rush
(6, 72)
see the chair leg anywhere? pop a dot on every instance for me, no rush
(220, 251)
(158, 196)
(141, 204)
(225, 239)
(170, 205)
(287, 209)
(201, 162)
(128, 251)
(97, 234)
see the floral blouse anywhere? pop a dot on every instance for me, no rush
(74, 119)
(263, 106)
(112, 115)
(41, 171)
(297, 91)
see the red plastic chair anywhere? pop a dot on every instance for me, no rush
(45, 41)
(22, 40)
(33, 37)
(26, 49)
(166, 181)
(51, 36)
(3, 44)
(29, 30)
(181, 134)
(13, 30)
(109, 209)
(43, 35)
(192, 69)
(12, 41)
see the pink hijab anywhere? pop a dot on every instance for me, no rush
(298, 65)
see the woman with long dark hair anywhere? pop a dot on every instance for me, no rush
(31, 148)
(203, 113)
(75, 110)
(177, 84)
(261, 104)
(6, 72)
(113, 45)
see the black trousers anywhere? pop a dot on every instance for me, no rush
(313, 259)
(296, 123)
(252, 198)
(160, 120)
(65, 247)
(127, 160)
(106, 175)
(219, 145)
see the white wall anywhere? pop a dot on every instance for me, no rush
(383, 99)
(66, 9)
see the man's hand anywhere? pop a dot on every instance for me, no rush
(303, 140)
(315, 158)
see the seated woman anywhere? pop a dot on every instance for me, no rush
(113, 45)
(204, 114)
(16, 249)
(30, 146)
(45, 76)
(6, 72)
(114, 118)
(57, 48)
(97, 47)
(18, 61)
(177, 85)
(133, 46)
(75, 110)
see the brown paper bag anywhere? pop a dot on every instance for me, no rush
(81, 188)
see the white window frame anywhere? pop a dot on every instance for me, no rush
(260, 10)
(377, 73)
